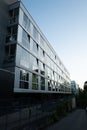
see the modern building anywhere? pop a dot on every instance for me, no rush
(28, 63)
(74, 87)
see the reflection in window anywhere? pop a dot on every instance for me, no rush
(35, 47)
(52, 74)
(53, 85)
(35, 64)
(24, 79)
(48, 73)
(24, 61)
(25, 40)
(48, 61)
(10, 53)
(34, 81)
(42, 83)
(56, 85)
(42, 68)
(26, 22)
(35, 33)
(42, 42)
(56, 77)
(42, 54)
(49, 85)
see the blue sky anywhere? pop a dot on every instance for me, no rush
(64, 23)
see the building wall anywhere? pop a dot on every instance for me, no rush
(37, 60)
(3, 25)
(27, 52)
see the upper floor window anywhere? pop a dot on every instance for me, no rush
(13, 14)
(35, 64)
(42, 54)
(42, 68)
(26, 39)
(48, 60)
(35, 33)
(42, 42)
(10, 52)
(25, 57)
(11, 34)
(35, 47)
(26, 22)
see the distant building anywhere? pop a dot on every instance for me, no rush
(28, 63)
(74, 87)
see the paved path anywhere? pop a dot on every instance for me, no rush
(77, 120)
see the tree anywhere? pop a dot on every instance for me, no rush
(85, 85)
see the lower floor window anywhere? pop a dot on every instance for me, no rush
(49, 85)
(24, 79)
(34, 81)
(24, 84)
(42, 83)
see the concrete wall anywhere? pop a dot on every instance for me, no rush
(6, 83)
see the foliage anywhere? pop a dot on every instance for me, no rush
(61, 111)
(81, 99)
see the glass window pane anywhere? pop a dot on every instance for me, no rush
(26, 39)
(35, 78)
(34, 81)
(24, 61)
(35, 33)
(35, 86)
(42, 68)
(42, 42)
(35, 64)
(24, 79)
(26, 22)
(35, 47)
(42, 83)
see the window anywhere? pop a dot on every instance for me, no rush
(49, 85)
(24, 79)
(42, 54)
(53, 85)
(42, 83)
(10, 53)
(35, 47)
(35, 33)
(34, 81)
(11, 34)
(48, 61)
(52, 75)
(56, 77)
(26, 39)
(48, 73)
(42, 68)
(26, 22)
(25, 57)
(42, 42)
(13, 14)
(35, 64)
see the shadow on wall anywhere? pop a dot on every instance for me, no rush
(6, 83)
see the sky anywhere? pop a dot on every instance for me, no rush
(64, 23)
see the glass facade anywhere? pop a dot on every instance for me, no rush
(38, 68)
